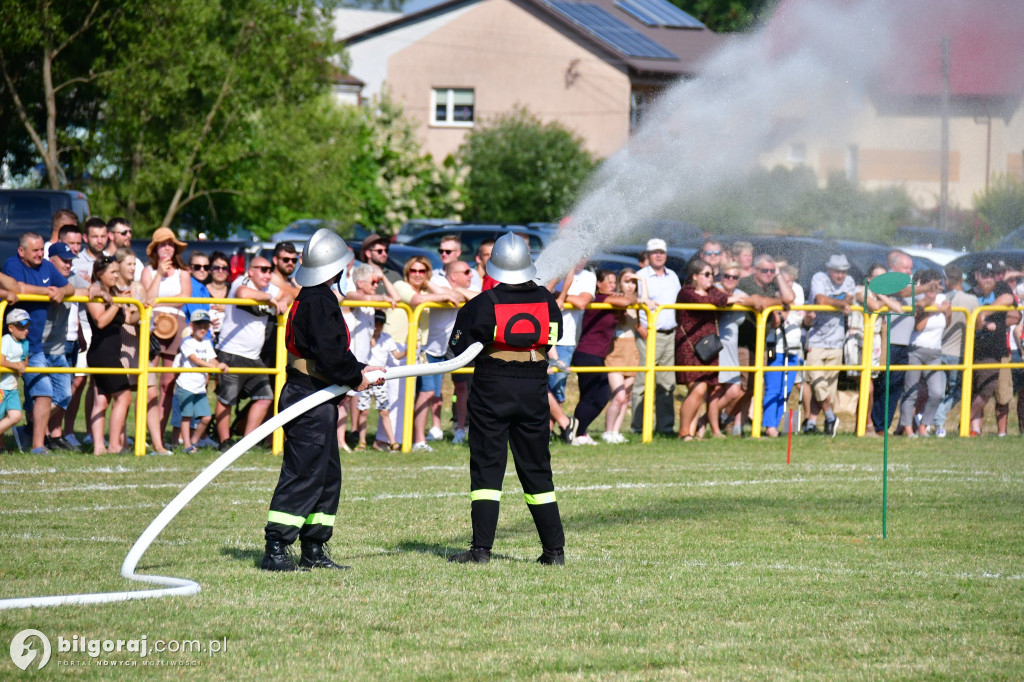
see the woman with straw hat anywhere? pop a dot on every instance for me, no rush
(166, 277)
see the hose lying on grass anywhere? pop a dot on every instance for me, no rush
(180, 586)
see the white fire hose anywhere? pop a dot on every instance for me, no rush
(180, 586)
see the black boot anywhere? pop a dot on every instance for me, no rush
(552, 557)
(276, 557)
(316, 555)
(474, 555)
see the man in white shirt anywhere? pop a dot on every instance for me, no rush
(662, 287)
(242, 334)
(119, 232)
(450, 250)
(836, 288)
(458, 279)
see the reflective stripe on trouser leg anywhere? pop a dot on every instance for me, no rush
(540, 498)
(485, 494)
(310, 481)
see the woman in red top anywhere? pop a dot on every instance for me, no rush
(691, 327)
(597, 332)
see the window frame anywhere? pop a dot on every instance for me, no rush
(449, 121)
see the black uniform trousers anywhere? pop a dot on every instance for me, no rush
(508, 406)
(306, 498)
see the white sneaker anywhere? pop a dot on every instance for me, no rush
(583, 440)
(422, 446)
(940, 433)
(435, 434)
(459, 436)
(613, 437)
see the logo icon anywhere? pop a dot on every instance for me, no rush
(23, 654)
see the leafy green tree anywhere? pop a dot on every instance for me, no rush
(195, 81)
(726, 16)
(1000, 209)
(407, 184)
(522, 170)
(52, 53)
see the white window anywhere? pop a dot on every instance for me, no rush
(797, 152)
(453, 107)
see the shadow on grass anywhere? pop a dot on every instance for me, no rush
(252, 556)
(443, 551)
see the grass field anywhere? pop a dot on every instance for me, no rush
(711, 560)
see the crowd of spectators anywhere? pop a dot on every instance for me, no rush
(212, 339)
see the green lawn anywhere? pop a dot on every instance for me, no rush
(710, 560)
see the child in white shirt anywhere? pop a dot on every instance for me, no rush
(13, 356)
(190, 387)
(383, 351)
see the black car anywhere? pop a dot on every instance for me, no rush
(969, 262)
(474, 235)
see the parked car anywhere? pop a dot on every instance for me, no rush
(473, 235)
(1014, 240)
(414, 228)
(31, 210)
(300, 231)
(969, 262)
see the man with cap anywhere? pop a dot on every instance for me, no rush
(517, 321)
(38, 276)
(55, 333)
(306, 498)
(836, 288)
(991, 345)
(662, 287)
(374, 250)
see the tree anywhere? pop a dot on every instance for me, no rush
(407, 184)
(522, 170)
(1000, 209)
(726, 16)
(189, 91)
(51, 54)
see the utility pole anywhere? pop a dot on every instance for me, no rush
(944, 134)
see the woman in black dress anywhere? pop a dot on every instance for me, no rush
(107, 321)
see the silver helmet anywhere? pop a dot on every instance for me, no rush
(324, 256)
(510, 261)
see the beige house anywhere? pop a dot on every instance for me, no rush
(592, 66)
(897, 137)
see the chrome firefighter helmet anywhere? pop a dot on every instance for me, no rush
(324, 256)
(510, 261)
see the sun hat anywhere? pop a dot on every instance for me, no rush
(837, 261)
(165, 326)
(164, 234)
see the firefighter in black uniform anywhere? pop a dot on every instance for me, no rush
(306, 499)
(516, 321)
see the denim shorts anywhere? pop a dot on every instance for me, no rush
(430, 382)
(557, 381)
(54, 386)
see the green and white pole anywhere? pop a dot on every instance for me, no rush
(889, 284)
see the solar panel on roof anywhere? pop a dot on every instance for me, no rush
(658, 13)
(606, 28)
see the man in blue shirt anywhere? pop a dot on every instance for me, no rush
(40, 277)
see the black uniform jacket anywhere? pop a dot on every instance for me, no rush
(508, 317)
(316, 331)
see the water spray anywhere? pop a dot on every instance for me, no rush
(181, 587)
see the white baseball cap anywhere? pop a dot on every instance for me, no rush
(656, 245)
